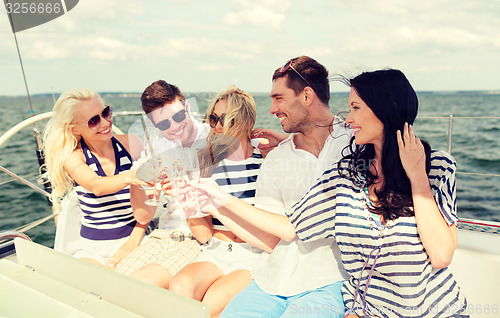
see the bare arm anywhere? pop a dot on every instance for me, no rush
(438, 239)
(86, 177)
(260, 228)
(143, 213)
(253, 225)
(201, 228)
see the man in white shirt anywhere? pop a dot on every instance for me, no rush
(172, 246)
(294, 278)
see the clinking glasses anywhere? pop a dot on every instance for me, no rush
(178, 117)
(288, 65)
(94, 122)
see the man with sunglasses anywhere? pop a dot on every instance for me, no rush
(169, 111)
(294, 278)
(172, 246)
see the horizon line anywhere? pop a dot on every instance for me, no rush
(486, 92)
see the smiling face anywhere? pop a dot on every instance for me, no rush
(220, 108)
(368, 129)
(287, 106)
(177, 116)
(84, 111)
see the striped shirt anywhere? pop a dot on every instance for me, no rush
(390, 271)
(109, 216)
(238, 178)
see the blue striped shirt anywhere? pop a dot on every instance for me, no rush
(238, 178)
(109, 216)
(390, 264)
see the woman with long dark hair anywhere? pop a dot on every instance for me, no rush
(391, 206)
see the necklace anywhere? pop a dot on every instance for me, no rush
(373, 217)
(368, 201)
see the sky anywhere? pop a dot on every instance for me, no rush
(206, 46)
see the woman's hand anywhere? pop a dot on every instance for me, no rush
(121, 253)
(210, 189)
(411, 152)
(273, 137)
(191, 197)
(133, 180)
(131, 174)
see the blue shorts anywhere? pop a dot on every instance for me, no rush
(253, 302)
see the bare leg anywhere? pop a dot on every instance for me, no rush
(224, 289)
(193, 280)
(91, 260)
(154, 274)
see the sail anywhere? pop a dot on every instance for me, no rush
(24, 15)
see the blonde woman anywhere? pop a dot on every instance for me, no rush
(81, 153)
(223, 268)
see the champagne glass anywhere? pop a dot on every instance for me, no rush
(157, 166)
(187, 169)
(154, 164)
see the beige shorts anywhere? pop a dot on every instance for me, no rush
(170, 249)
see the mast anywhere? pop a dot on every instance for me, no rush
(36, 131)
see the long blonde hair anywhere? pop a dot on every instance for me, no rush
(238, 122)
(59, 142)
(240, 114)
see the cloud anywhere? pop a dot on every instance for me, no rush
(208, 49)
(243, 40)
(215, 67)
(258, 13)
(40, 51)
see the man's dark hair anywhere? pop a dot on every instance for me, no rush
(158, 94)
(313, 72)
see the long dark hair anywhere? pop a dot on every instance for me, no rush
(392, 99)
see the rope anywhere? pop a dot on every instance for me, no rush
(479, 174)
(13, 179)
(31, 225)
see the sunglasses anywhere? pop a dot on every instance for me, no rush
(95, 121)
(288, 65)
(178, 117)
(214, 119)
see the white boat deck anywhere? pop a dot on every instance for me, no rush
(58, 285)
(48, 283)
(476, 265)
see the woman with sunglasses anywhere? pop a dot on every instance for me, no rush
(81, 153)
(223, 268)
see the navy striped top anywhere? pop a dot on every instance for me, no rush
(238, 178)
(109, 216)
(390, 272)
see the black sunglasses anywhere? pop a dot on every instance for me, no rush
(288, 65)
(178, 117)
(94, 122)
(214, 119)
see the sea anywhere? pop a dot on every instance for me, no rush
(475, 144)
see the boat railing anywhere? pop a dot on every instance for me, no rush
(450, 119)
(7, 135)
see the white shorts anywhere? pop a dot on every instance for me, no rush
(229, 256)
(99, 250)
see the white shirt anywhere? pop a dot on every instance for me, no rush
(285, 176)
(171, 217)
